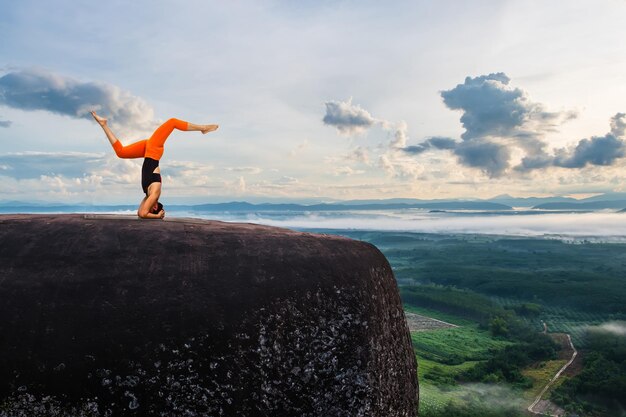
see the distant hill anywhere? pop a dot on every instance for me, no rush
(387, 201)
(500, 202)
(529, 201)
(243, 206)
(594, 205)
(605, 197)
(443, 205)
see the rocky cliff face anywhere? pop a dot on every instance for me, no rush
(116, 316)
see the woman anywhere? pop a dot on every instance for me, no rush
(151, 150)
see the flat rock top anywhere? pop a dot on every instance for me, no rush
(167, 224)
(91, 245)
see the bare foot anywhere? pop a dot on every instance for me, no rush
(208, 128)
(101, 120)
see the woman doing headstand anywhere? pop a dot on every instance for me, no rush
(151, 150)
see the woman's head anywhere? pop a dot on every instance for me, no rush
(156, 208)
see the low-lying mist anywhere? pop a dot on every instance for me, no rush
(595, 226)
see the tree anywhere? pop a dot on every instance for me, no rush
(498, 326)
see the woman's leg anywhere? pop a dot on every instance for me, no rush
(135, 150)
(202, 128)
(154, 146)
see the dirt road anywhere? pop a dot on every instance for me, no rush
(544, 407)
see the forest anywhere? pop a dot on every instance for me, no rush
(501, 290)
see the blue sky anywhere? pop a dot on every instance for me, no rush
(315, 100)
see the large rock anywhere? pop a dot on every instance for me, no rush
(117, 316)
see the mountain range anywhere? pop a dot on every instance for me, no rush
(502, 202)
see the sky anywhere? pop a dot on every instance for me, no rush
(316, 100)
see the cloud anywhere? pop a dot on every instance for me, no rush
(436, 142)
(535, 162)
(385, 163)
(597, 227)
(615, 327)
(347, 118)
(350, 119)
(240, 185)
(247, 170)
(285, 180)
(599, 150)
(400, 136)
(347, 171)
(504, 132)
(496, 118)
(492, 108)
(42, 90)
(400, 166)
(66, 176)
(185, 175)
(35, 164)
(359, 154)
(5, 123)
(491, 157)
(618, 124)
(500, 120)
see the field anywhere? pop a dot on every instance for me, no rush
(571, 286)
(443, 353)
(541, 374)
(455, 346)
(450, 349)
(419, 323)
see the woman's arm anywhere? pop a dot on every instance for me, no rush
(149, 215)
(146, 206)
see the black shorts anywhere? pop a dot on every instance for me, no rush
(147, 173)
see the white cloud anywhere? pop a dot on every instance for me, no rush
(34, 164)
(617, 328)
(349, 119)
(400, 136)
(600, 227)
(240, 185)
(37, 89)
(286, 180)
(359, 154)
(347, 171)
(247, 170)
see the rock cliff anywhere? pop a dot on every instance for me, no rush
(105, 315)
